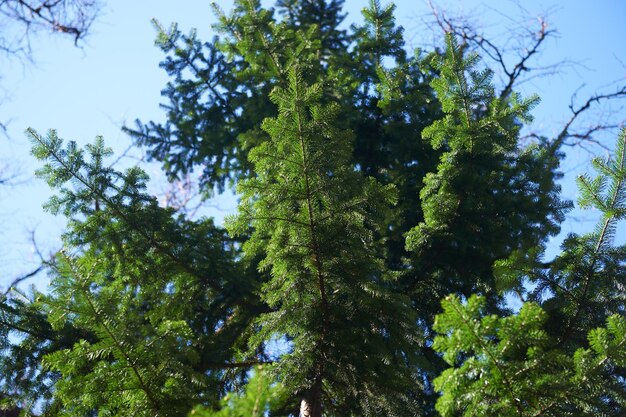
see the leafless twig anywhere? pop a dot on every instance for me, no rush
(520, 63)
(24, 277)
(184, 196)
(517, 64)
(586, 135)
(21, 18)
(44, 262)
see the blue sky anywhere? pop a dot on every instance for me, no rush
(114, 78)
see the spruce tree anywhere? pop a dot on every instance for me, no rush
(311, 216)
(563, 352)
(262, 395)
(489, 198)
(373, 184)
(149, 296)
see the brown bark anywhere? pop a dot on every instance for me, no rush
(311, 404)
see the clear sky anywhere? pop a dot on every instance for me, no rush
(114, 78)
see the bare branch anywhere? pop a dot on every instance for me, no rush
(19, 19)
(186, 197)
(516, 64)
(586, 135)
(515, 58)
(44, 262)
(24, 277)
(6, 176)
(24, 17)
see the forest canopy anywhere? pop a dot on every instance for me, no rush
(389, 211)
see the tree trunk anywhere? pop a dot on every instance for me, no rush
(10, 412)
(311, 404)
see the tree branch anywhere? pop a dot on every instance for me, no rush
(586, 135)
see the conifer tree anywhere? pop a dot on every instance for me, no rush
(24, 384)
(373, 184)
(327, 16)
(261, 396)
(149, 296)
(311, 215)
(511, 366)
(489, 198)
(563, 352)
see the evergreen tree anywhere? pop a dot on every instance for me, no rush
(326, 16)
(26, 337)
(373, 184)
(489, 198)
(563, 353)
(311, 213)
(261, 396)
(155, 303)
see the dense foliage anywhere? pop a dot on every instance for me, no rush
(388, 214)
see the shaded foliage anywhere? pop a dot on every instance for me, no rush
(372, 185)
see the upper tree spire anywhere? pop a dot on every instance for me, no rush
(326, 15)
(312, 216)
(489, 197)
